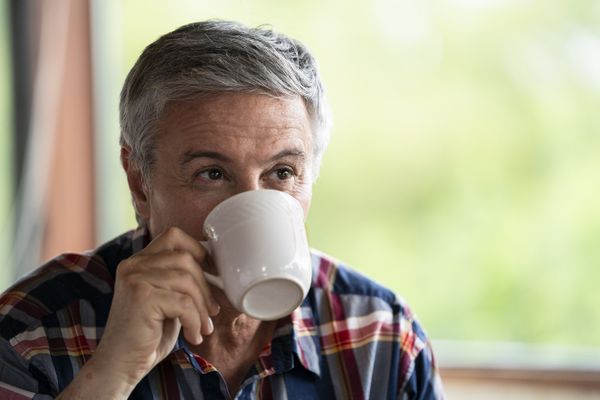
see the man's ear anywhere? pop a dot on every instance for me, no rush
(135, 179)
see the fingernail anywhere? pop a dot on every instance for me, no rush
(216, 308)
(200, 339)
(211, 327)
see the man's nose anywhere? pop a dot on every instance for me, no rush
(249, 183)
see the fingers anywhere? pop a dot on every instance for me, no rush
(177, 280)
(158, 292)
(175, 239)
(180, 263)
(171, 264)
(179, 306)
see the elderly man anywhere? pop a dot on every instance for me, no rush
(208, 111)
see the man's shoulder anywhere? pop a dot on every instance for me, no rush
(354, 315)
(68, 279)
(356, 295)
(335, 276)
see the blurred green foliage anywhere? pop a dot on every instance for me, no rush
(464, 159)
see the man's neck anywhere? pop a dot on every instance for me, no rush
(234, 333)
(235, 345)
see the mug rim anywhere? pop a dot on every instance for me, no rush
(258, 281)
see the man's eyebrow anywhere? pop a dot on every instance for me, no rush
(191, 155)
(289, 152)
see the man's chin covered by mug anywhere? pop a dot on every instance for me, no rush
(216, 294)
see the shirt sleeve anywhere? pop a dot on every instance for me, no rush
(17, 381)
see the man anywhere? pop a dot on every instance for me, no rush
(209, 110)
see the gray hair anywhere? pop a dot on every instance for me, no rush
(213, 57)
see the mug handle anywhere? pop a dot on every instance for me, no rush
(212, 279)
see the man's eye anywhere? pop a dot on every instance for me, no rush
(284, 173)
(213, 174)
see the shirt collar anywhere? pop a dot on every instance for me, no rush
(294, 340)
(304, 338)
(140, 238)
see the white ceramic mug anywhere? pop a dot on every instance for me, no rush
(258, 243)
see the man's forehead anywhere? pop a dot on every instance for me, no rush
(250, 121)
(289, 142)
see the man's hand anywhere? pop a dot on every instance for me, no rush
(158, 292)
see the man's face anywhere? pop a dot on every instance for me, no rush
(213, 148)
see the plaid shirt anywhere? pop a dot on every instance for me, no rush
(350, 339)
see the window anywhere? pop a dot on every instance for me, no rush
(464, 162)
